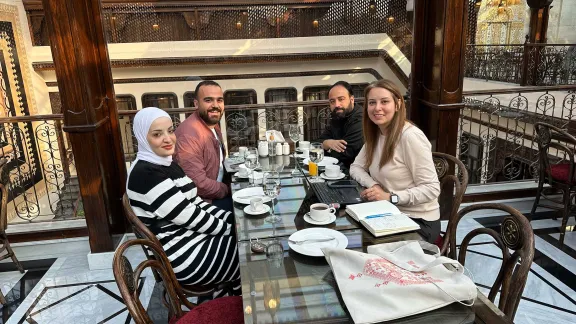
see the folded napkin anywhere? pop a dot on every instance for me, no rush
(396, 280)
(278, 137)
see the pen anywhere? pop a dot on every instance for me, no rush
(378, 215)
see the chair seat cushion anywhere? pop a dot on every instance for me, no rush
(439, 241)
(560, 172)
(225, 310)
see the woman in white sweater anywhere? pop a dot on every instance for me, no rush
(395, 163)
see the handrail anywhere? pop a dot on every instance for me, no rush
(23, 119)
(168, 110)
(524, 44)
(271, 105)
(520, 90)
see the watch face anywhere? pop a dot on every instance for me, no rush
(394, 199)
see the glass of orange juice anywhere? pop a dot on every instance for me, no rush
(316, 155)
(313, 169)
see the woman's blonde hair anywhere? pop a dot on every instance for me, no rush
(394, 129)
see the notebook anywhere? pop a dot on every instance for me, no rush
(381, 218)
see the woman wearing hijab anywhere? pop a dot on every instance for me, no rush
(198, 237)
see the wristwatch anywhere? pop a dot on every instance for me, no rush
(393, 198)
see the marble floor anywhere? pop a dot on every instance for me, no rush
(64, 290)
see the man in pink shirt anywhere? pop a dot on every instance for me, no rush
(199, 147)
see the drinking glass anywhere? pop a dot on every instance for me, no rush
(294, 131)
(316, 155)
(271, 184)
(251, 161)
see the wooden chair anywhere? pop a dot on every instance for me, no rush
(219, 311)
(558, 174)
(515, 234)
(143, 232)
(453, 178)
(4, 243)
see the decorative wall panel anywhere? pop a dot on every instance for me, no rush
(17, 143)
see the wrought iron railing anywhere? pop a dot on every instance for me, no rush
(43, 183)
(496, 134)
(524, 64)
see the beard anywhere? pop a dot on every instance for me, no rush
(211, 120)
(340, 113)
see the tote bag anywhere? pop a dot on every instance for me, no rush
(396, 280)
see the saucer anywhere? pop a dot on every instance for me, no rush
(248, 210)
(324, 176)
(309, 219)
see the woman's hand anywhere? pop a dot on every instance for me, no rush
(376, 192)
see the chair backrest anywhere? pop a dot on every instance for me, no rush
(545, 134)
(4, 183)
(515, 234)
(143, 232)
(140, 229)
(128, 279)
(453, 178)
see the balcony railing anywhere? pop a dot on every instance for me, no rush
(43, 183)
(524, 64)
(496, 134)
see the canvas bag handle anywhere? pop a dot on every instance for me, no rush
(450, 264)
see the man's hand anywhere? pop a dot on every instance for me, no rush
(376, 192)
(334, 145)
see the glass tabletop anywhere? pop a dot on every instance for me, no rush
(291, 205)
(299, 289)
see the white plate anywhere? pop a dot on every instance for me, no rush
(327, 160)
(248, 210)
(309, 219)
(257, 175)
(324, 176)
(315, 248)
(252, 192)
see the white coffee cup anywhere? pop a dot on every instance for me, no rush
(242, 151)
(321, 212)
(304, 145)
(242, 170)
(305, 153)
(332, 171)
(256, 204)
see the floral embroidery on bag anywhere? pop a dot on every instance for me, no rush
(390, 273)
(354, 276)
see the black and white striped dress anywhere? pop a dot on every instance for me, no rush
(198, 238)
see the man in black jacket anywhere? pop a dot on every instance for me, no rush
(343, 138)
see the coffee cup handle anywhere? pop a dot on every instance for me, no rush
(332, 210)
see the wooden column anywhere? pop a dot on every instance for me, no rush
(90, 117)
(538, 28)
(539, 15)
(437, 77)
(438, 70)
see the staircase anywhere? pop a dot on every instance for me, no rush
(69, 205)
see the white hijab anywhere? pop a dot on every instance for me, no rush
(141, 126)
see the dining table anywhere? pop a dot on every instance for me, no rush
(289, 287)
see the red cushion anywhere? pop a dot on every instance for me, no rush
(439, 241)
(560, 172)
(225, 310)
